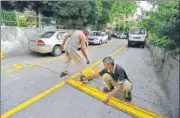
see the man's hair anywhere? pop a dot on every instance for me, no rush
(86, 29)
(108, 60)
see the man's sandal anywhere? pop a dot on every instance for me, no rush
(63, 74)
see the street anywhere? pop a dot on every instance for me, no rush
(21, 82)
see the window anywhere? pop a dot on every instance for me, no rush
(96, 34)
(47, 35)
(137, 31)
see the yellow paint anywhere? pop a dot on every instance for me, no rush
(46, 92)
(114, 102)
(2, 54)
(90, 71)
(17, 66)
(30, 65)
(31, 100)
(35, 98)
(38, 63)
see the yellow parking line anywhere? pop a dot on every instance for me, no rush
(35, 98)
(43, 94)
(114, 102)
(17, 66)
(31, 100)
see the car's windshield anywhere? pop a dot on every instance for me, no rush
(96, 34)
(47, 35)
(61, 35)
(137, 31)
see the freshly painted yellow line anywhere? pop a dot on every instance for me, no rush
(35, 98)
(17, 66)
(2, 54)
(114, 102)
(41, 95)
(31, 100)
(29, 65)
(37, 63)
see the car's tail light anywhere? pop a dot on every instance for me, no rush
(40, 42)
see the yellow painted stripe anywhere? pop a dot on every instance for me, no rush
(2, 54)
(41, 95)
(30, 101)
(35, 98)
(17, 66)
(114, 102)
(29, 65)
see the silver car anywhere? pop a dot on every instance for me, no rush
(97, 37)
(49, 42)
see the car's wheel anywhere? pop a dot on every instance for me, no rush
(56, 51)
(142, 45)
(100, 42)
(129, 45)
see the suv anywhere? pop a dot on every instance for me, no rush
(137, 35)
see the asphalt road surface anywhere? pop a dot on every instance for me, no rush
(65, 101)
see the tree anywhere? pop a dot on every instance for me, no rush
(164, 23)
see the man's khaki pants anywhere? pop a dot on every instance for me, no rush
(109, 82)
(75, 57)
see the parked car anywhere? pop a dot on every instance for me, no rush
(97, 37)
(121, 36)
(137, 35)
(49, 42)
(114, 34)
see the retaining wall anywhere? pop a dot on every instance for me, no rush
(167, 68)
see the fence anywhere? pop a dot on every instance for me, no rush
(13, 18)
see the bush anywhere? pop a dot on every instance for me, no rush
(8, 18)
(164, 26)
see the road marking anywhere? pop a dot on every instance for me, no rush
(43, 94)
(30, 65)
(17, 66)
(114, 102)
(35, 98)
(31, 100)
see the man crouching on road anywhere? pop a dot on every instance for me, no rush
(115, 79)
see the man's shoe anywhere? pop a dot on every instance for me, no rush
(128, 97)
(105, 89)
(82, 78)
(63, 74)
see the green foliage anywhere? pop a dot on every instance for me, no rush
(162, 24)
(160, 42)
(8, 18)
(120, 10)
(95, 13)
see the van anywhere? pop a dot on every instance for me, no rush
(137, 35)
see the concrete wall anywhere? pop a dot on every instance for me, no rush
(167, 68)
(14, 40)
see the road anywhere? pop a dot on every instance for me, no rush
(65, 101)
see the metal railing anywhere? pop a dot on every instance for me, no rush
(13, 18)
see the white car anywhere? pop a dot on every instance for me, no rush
(49, 42)
(121, 36)
(97, 37)
(137, 35)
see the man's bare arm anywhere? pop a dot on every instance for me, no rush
(66, 37)
(115, 91)
(83, 46)
(92, 76)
